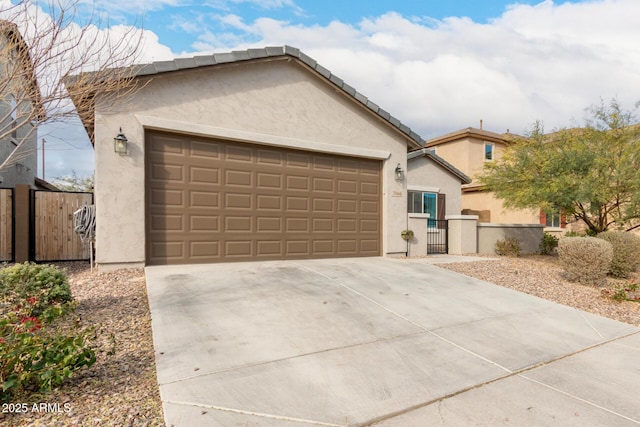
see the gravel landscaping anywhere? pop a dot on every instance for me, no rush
(121, 389)
(542, 276)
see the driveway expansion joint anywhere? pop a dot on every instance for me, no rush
(293, 357)
(254, 414)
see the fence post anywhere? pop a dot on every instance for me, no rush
(463, 235)
(22, 224)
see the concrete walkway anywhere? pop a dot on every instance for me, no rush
(379, 341)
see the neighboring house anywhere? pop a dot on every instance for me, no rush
(249, 155)
(468, 150)
(433, 185)
(17, 114)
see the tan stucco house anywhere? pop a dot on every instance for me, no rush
(468, 150)
(248, 155)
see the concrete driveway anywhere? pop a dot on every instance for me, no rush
(384, 342)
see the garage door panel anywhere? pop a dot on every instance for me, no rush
(268, 224)
(369, 207)
(267, 202)
(368, 226)
(205, 250)
(348, 166)
(269, 181)
(297, 182)
(347, 247)
(298, 204)
(167, 172)
(322, 205)
(163, 197)
(323, 185)
(238, 248)
(166, 222)
(347, 187)
(324, 163)
(296, 225)
(270, 157)
(238, 224)
(297, 248)
(204, 199)
(269, 248)
(298, 160)
(211, 200)
(239, 178)
(205, 150)
(238, 153)
(204, 223)
(370, 246)
(369, 188)
(202, 175)
(238, 201)
(322, 246)
(163, 249)
(347, 206)
(347, 225)
(165, 146)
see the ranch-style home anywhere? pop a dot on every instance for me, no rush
(249, 155)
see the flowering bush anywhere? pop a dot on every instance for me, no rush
(33, 354)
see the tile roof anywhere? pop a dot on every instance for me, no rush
(273, 52)
(470, 132)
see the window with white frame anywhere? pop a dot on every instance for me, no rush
(553, 219)
(488, 151)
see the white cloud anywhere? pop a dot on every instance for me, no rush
(544, 62)
(548, 61)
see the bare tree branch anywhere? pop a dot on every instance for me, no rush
(42, 58)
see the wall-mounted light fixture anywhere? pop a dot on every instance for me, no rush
(399, 173)
(120, 143)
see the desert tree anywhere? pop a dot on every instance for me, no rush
(590, 173)
(42, 49)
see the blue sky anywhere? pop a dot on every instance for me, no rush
(166, 21)
(438, 66)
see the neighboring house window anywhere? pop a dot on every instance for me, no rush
(427, 203)
(553, 219)
(488, 151)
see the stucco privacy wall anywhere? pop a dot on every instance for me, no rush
(278, 102)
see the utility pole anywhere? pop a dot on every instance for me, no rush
(43, 141)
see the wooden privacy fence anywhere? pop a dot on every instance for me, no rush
(54, 235)
(39, 225)
(6, 224)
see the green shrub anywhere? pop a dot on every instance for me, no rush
(509, 246)
(585, 259)
(46, 283)
(548, 244)
(34, 355)
(626, 252)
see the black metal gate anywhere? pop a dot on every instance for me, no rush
(437, 236)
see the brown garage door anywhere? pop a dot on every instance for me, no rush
(211, 200)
